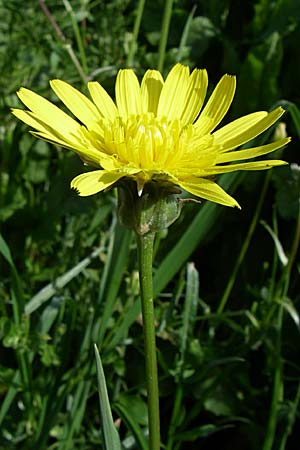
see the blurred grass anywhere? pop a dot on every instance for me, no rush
(229, 376)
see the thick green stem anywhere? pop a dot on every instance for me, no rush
(145, 255)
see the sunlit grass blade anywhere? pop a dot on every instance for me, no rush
(190, 307)
(279, 248)
(111, 438)
(49, 315)
(292, 311)
(52, 288)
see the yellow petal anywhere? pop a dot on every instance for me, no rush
(152, 84)
(92, 182)
(256, 165)
(54, 139)
(88, 155)
(208, 190)
(196, 92)
(172, 98)
(102, 100)
(67, 140)
(251, 152)
(27, 117)
(128, 93)
(47, 112)
(32, 120)
(75, 101)
(245, 128)
(217, 105)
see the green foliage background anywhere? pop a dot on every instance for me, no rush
(226, 281)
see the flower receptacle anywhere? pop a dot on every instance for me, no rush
(152, 211)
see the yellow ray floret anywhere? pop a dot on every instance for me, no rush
(155, 130)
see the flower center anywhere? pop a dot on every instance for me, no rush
(144, 141)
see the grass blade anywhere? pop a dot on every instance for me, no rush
(132, 425)
(190, 306)
(48, 291)
(110, 435)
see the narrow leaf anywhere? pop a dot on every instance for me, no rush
(190, 306)
(132, 425)
(48, 291)
(280, 252)
(110, 435)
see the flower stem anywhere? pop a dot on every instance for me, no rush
(136, 29)
(145, 256)
(164, 34)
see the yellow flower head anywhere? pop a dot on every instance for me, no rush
(154, 131)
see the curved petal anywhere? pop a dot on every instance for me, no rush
(88, 155)
(195, 95)
(85, 148)
(217, 105)
(66, 139)
(255, 165)
(208, 190)
(92, 182)
(152, 84)
(75, 101)
(251, 152)
(28, 118)
(102, 100)
(48, 113)
(245, 128)
(172, 98)
(128, 93)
